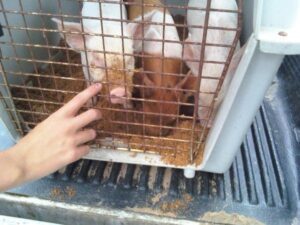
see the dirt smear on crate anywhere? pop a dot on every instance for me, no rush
(208, 218)
(53, 86)
(152, 211)
(162, 206)
(227, 218)
(177, 205)
(63, 193)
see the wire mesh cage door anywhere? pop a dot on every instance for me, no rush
(161, 64)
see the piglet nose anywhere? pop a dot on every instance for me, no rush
(117, 95)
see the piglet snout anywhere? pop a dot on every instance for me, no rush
(118, 96)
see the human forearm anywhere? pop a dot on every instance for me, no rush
(57, 141)
(12, 172)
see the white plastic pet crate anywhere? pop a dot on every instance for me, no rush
(271, 29)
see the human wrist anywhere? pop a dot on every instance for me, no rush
(19, 169)
(12, 173)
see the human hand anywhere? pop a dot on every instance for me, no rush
(54, 143)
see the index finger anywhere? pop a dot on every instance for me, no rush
(73, 106)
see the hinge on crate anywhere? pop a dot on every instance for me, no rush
(1, 31)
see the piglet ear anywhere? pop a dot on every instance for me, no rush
(191, 55)
(72, 33)
(147, 85)
(188, 86)
(188, 82)
(149, 90)
(188, 52)
(135, 28)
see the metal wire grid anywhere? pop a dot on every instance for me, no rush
(196, 135)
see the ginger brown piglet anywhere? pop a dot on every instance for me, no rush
(160, 105)
(162, 94)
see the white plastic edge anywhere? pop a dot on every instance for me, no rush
(254, 75)
(271, 42)
(130, 157)
(226, 106)
(277, 30)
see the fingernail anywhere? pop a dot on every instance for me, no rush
(98, 85)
